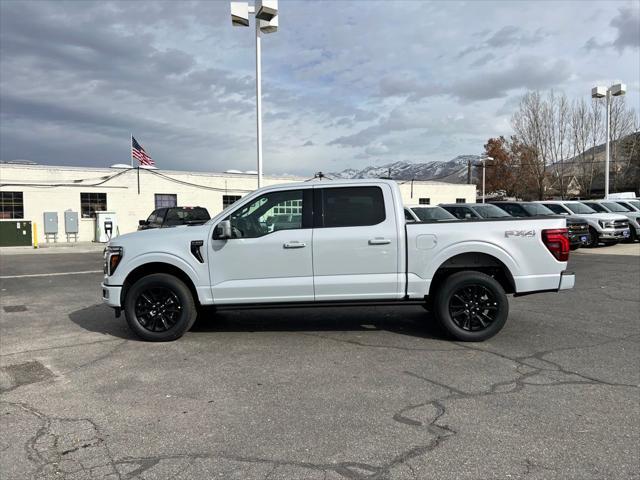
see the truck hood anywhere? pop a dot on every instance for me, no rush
(604, 216)
(149, 237)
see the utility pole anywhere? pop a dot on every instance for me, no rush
(468, 172)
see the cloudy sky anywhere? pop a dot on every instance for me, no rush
(345, 84)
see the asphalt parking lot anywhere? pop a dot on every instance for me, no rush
(321, 394)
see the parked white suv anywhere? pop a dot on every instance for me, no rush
(350, 244)
(607, 228)
(612, 206)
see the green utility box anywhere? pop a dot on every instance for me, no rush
(15, 233)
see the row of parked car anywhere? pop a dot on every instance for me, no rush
(590, 222)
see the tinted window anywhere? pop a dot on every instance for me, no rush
(461, 212)
(513, 209)
(262, 216)
(537, 209)
(407, 216)
(160, 213)
(182, 216)
(432, 213)
(614, 207)
(352, 206)
(580, 208)
(490, 211)
(555, 208)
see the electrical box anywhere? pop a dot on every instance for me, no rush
(15, 233)
(71, 222)
(106, 226)
(50, 223)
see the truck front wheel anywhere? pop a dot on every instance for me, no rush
(471, 306)
(159, 308)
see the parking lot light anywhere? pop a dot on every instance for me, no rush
(266, 19)
(603, 92)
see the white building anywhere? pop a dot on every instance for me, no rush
(28, 191)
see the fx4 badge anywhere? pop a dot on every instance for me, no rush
(520, 233)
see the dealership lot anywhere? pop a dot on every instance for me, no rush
(319, 394)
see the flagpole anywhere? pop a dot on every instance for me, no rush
(131, 150)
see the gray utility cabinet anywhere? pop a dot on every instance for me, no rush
(50, 223)
(71, 222)
(71, 225)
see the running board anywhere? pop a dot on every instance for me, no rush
(327, 303)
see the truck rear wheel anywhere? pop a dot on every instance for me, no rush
(471, 306)
(159, 308)
(595, 238)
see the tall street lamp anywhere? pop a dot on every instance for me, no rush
(600, 92)
(266, 20)
(484, 168)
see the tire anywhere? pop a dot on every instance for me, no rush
(479, 290)
(574, 247)
(160, 308)
(595, 238)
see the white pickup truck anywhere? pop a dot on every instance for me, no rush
(333, 243)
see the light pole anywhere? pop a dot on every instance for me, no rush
(266, 19)
(599, 92)
(484, 167)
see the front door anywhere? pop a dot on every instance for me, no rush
(356, 244)
(269, 257)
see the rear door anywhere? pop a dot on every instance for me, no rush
(355, 243)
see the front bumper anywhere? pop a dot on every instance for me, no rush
(614, 234)
(111, 295)
(582, 238)
(567, 281)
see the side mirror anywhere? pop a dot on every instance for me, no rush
(142, 223)
(222, 230)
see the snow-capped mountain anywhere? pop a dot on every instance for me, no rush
(454, 171)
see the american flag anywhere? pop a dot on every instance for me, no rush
(138, 152)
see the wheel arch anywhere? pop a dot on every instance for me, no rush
(157, 267)
(475, 261)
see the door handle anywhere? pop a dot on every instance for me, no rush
(294, 245)
(379, 241)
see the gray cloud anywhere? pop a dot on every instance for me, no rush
(627, 23)
(77, 77)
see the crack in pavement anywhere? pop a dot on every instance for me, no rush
(58, 347)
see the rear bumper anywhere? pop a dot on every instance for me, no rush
(567, 280)
(111, 295)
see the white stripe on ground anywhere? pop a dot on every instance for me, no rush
(4, 277)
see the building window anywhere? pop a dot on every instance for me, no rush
(11, 205)
(424, 201)
(461, 200)
(229, 200)
(90, 203)
(164, 200)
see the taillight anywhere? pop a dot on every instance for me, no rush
(557, 242)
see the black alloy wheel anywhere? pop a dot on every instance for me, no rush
(473, 308)
(158, 309)
(471, 305)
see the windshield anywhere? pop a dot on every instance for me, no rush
(635, 203)
(183, 215)
(579, 208)
(428, 214)
(615, 207)
(597, 207)
(490, 211)
(535, 209)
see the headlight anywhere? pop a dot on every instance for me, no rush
(606, 223)
(112, 257)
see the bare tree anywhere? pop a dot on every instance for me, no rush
(622, 124)
(585, 133)
(530, 124)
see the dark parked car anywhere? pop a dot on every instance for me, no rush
(174, 216)
(465, 211)
(579, 235)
